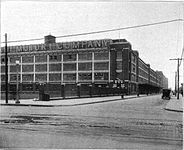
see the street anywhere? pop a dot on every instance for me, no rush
(139, 123)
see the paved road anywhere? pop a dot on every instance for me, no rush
(139, 123)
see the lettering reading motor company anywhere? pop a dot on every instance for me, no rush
(58, 46)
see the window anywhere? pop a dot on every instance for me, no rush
(41, 58)
(27, 59)
(101, 55)
(41, 77)
(69, 67)
(85, 76)
(54, 67)
(41, 67)
(133, 68)
(55, 77)
(13, 68)
(13, 59)
(101, 66)
(13, 77)
(27, 68)
(85, 56)
(85, 66)
(101, 76)
(119, 65)
(54, 57)
(2, 77)
(27, 77)
(119, 55)
(2, 69)
(69, 77)
(69, 57)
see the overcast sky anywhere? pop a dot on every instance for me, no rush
(156, 44)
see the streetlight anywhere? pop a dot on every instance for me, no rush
(17, 84)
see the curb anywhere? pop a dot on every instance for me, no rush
(103, 101)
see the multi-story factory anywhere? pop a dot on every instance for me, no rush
(76, 68)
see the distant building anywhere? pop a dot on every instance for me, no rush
(164, 80)
(64, 67)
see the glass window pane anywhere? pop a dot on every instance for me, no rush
(41, 58)
(13, 59)
(54, 57)
(101, 76)
(69, 57)
(27, 68)
(119, 55)
(69, 67)
(69, 77)
(41, 77)
(55, 77)
(2, 69)
(27, 59)
(101, 55)
(119, 65)
(85, 76)
(2, 77)
(85, 56)
(41, 67)
(13, 77)
(27, 77)
(101, 66)
(85, 66)
(55, 67)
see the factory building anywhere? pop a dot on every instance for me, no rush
(79, 68)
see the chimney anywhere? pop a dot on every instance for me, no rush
(49, 39)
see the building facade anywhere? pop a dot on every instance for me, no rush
(78, 68)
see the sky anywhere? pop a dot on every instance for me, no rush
(156, 44)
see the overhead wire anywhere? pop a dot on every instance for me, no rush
(102, 31)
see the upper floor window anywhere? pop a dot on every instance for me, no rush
(101, 55)
(69, 57)
(54, 57)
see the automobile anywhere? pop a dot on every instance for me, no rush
(166, 94)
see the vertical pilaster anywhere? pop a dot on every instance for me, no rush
(34, 69)
(109, 78)
(92, 67)
(47, 68)
(77, 64)
(20, 69)
(61, 68)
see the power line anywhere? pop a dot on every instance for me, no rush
(102, 31)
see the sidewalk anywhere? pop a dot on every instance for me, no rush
(66, 102)
(175, 104)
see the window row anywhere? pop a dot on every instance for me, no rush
(57, 57)
(57, 77)
(57, 67)
(143, 73)
(142, 65)
(142, 80)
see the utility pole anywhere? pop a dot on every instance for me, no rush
(175, 82)
(178, 84)
(6, 68)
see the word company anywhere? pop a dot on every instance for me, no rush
(58, 46)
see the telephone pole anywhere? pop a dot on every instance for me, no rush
(178, 83)
(6, 68)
